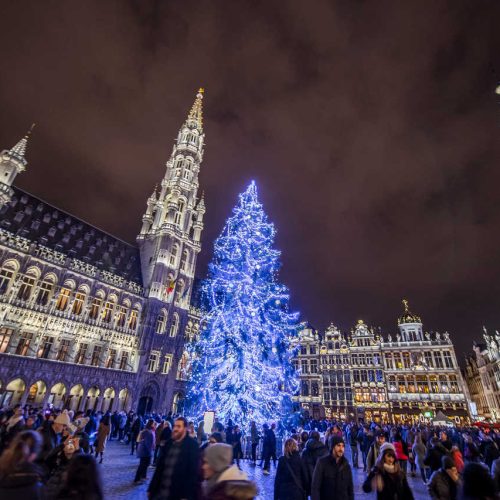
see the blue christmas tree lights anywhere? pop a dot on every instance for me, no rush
(241, 366)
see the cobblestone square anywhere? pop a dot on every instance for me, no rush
(119, 468)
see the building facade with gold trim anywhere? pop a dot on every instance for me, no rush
(366, 376)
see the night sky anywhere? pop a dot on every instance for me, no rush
(371, 128)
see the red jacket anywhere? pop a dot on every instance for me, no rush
(400, 454)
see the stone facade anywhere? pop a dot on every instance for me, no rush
(87, 320)
(366, 376)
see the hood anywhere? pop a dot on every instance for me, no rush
(232, 474)
(312, 444)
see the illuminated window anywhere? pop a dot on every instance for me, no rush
(406, 360)
(132, 321)
(388, 361)
(153, 362)
(110, 363)
(161, 322)
(167, 364)
(64, 349)
(107, 312)
(96, 356)
(63, 299)
(27, 284)
(95, 306)
(78, 303)
(6, 275)
(82, 352)
(5, 337)
(174, 325)
(121, 316)
(124, 361)
(45, 291)
(45, 347)
(24, 343)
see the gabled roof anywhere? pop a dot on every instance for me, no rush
(42, 223)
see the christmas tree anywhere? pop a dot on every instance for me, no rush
(241, 366)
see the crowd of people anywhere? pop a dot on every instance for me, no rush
(57, 454)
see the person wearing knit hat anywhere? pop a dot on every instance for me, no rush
(218, 472)
(332, 476)
(387, 478)
(63, 418)
(445, 482)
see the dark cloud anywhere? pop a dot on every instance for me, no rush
(371, 128)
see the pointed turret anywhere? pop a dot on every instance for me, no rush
(196, 113)
(12, 162)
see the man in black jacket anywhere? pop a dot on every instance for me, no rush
(332, 478)
(178, 473)
(313, 451)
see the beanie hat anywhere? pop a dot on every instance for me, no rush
(447, 462)
(81, 422)
(387, 447)
(218, 456)
(334, 441)
(63, 418)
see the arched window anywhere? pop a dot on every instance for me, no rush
(174, 325)
(46, 289)
(173, 255)
(7, 273)
(161, 322)
(64, 295)
(187, 170)
(109, 305)
(185, 261)
(180, 211)
(79, 300)
(133, 319)
(121, 316)
(27, 284)
(96, 304)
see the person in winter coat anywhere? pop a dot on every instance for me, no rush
(419, 451)
(236, 443)
(20, 477)
(224, 481)
(401, 451)
(352, 435)
(434, 454)
(477, 483)
(387, 478)
(332, 477)
(374, 450)
(103, 432)
(268, 448)
(458, 459)
(471, 451)
(313, 451)
(145, 450)
(290, 482)
(82, 480)
(445, 482)
(135, 429)
(365, 439)
(254, 439)
(51, 432)
(490, 451)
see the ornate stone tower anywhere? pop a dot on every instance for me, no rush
(169, 243)
(12, 162)
(410, 325)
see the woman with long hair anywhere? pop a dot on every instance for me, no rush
(290, 482)
(82, 480)
(19, 476)
(387, 478)
(103, 432)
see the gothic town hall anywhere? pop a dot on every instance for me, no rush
(88, 321)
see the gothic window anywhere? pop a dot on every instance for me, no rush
(110, 363)
(124, 360)
(82, 352)
(5, 336)
(27, 284)
(63, 299)
(45, 347)
(64, 348)
(6, 276)
(96, 355)
(153, 362)
(187, 171)
(78, 303)
(121, 316)
(161, 322)
(45, 291)
(132, 321)
(180, 210)
(107, 312)
(173, 255)
(185, 261)
(95, 306)
(24, 343)
(167, 364)
(175, 325)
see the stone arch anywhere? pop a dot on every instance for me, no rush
(92, 395)
(149, 397)
(36, 393)
(178, 403)
(108, 399)
(57, 395)
(74, 398)
(13, 393)
(123, 399)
